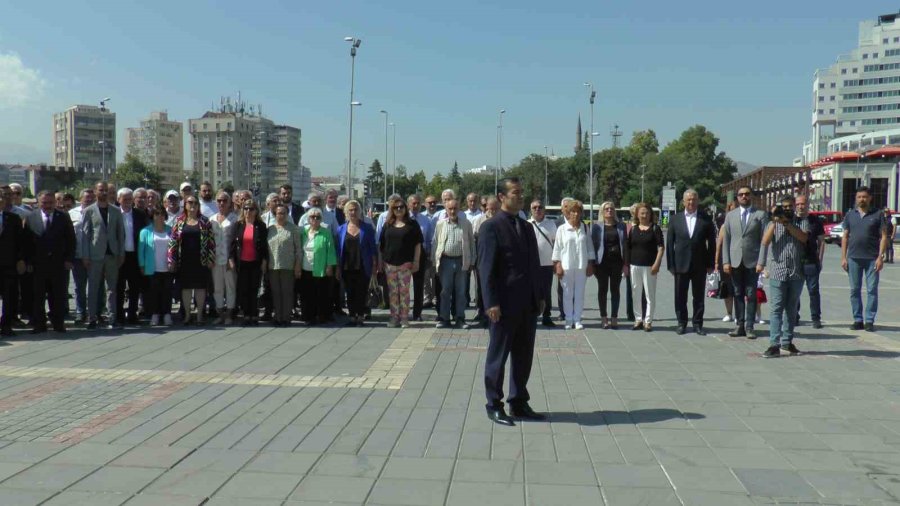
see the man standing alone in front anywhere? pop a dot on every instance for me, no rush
(690, 256)
(509, 265)
(744, 227)
(862, 253)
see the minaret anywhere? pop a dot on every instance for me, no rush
(578, 136)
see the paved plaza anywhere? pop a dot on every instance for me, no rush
(377, 416)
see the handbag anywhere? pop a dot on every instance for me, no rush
(375, 297)
(713, 283)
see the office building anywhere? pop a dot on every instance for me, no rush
(159, 143)
(84, 137)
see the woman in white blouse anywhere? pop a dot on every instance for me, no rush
(573, 259)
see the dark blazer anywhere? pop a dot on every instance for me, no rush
(12, 240)
(141, 220)
(509, 266)
(368, 250)
(54, 245)
(686, 253)
(260, 240)
(296, 212)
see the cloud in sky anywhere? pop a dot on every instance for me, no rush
(18, 83)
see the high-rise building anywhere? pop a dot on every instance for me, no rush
(861, 91)
(238, 145)
(84, 137)
(159, 143)
(301, 181)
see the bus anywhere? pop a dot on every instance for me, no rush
(622, 213)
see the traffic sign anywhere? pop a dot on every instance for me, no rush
(669, 202)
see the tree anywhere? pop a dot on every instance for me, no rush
(617, 171)
(454, 177)
(133, 173)
(376, 181)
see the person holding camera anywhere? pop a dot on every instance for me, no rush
(786, 235)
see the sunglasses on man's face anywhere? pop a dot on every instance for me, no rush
(315, 217)
(429, 204)
(249, 209)
(744, 194)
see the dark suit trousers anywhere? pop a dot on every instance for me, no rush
(513, 337)
(48, 283)
(697, 281)
(130, 272)
(25, 289)
(744, 281)
(418, 279)
(546, 289)
(9, 289)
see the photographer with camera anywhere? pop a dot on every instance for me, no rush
(786, 235)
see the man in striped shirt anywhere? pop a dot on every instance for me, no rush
(786, 235)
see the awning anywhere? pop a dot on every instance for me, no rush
(842, 156)
(884, 152)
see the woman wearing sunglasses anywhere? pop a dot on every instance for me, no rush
(318, 262)
(400, 248)
(192, 256)
(249, 255)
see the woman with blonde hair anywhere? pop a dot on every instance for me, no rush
(400, 248)
(573, 261)
(609, 245)
(644, 249)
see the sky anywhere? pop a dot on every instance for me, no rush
(443, 71)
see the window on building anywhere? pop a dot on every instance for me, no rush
(833, 85)
(855, 70)
(821, 111)
(852, 122)
(205, 126)
(896, 39)
(229, 125)
(830, 111)
(821, 86)
(884, 41)
(831, 98)
(821, 98)
(874, 55)
(865, 56)
(206, 164)
(844, 71)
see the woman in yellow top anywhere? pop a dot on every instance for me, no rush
(317, 264)
(285, 257)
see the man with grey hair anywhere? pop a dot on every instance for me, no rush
(79, 272)
(329, 221)
(141, 202)
(152, 200)
(133, 221)
(690, 256)
(18, 191)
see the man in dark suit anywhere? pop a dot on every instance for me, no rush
(295, 211)
(12, 260)
(509, 268)
(690, 256)
(133, 221)
(51, 251)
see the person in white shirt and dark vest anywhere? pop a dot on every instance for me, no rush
(133, 221)
(545, 234)
(690, 256)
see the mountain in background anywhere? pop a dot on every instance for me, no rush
(744, 167)
(13, 153)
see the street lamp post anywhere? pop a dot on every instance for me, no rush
(546, 178)
(384, 171)
(499, 151)
(643, 169)
(354, 45)
(102, 142)
(394, 159)
(591, 153)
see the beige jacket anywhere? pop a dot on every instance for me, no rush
(440, 237)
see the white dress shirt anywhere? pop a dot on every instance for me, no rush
(545, 246)
(472, 214)
(208, 209)
(222, 233)
(691, 220)
(128, 222)
(75, 216)
(573, 248)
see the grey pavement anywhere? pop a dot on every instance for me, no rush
(378, 416)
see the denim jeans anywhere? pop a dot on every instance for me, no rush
(80, 275)
(856, 269)
(453, 284)
(783, 297)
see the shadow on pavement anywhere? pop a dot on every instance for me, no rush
(635, 417)
(855, 353)
(816, 337)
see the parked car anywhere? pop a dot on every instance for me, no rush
(835, 234)
(830, 219)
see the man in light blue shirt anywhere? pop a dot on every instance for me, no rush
(426, 269)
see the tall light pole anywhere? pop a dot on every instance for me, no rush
(384, 171)
(546, 178)
(591, 153)
(394, 159)
(102, 142)
(861, 181)
(643, 169)
(354, 45)
(499, 151)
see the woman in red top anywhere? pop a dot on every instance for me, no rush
(249, 253)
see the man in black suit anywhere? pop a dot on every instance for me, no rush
(12, 260)
(295, 211)
(690, 255)
(509, 268)
(133, 221)
(50, 240)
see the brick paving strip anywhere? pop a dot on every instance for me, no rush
(33, 394)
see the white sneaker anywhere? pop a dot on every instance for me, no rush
(568, 326)
(579, 326)
(167, 320)
(154, 320)
(726, 318)
(761, 321)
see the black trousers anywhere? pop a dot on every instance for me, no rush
(248, 279)
(357, 284)
(266, 296)
(158, 298)
(559, 298)
(609, 283)
(547, 289)
(696, 280)
(317, 305)
(479, 300)
(9, 290)
(418, 279)
(48, 283)
(23, 293)
(130, 272)
(513, 337)
(744, 279)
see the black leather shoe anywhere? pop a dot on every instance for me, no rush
(548, 322)
(699, 330)
(499, 416)
(39, 330)
(7, 332)
(740, 331)
(751, 334)
(680, 330)
(790, 348)
(817, 324)
(856, 326)
(772, 352)
(92, 325)
(524, 411)
(870, 327)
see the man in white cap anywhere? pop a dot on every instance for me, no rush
(186, 190)
(173, 207)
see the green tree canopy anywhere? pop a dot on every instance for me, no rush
(133, 173)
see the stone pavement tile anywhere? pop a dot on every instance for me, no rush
(359, 466)
(489, 471)
(560, 473)
(776, 483)
(553, 495)
(773, 424)
(708, 498)
(506, 443)
(251, 485)
(890, 483)
(49, 476)
(755, 458)
(319, 439)
(814, 460)
(118, 479)
(632, 476)
(8, 469)
(243, 501)
(282, 462)
(89, 453)
(840, 485)
(288, 439)
(188, 483)
(857, 442)
(72, 498)
(794, 441)
(153, 456)
(689, 456)
(539, 447)
(167, 500)
(732, 439)
(333, 488)
(603, 449)
(380, 442)
(476, 445)
(412, 443)
(29, 452)
(673, 437)
(629, 496)
(409, 492)
(496, 494)
(829, 426)
(14, 497)
(571, 448)
(210, 459)
(418, 468)
(715, 479)
(635, 450)
(443, 444)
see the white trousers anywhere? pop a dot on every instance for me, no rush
(224, 287)
(573, 282)
(642, 281)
